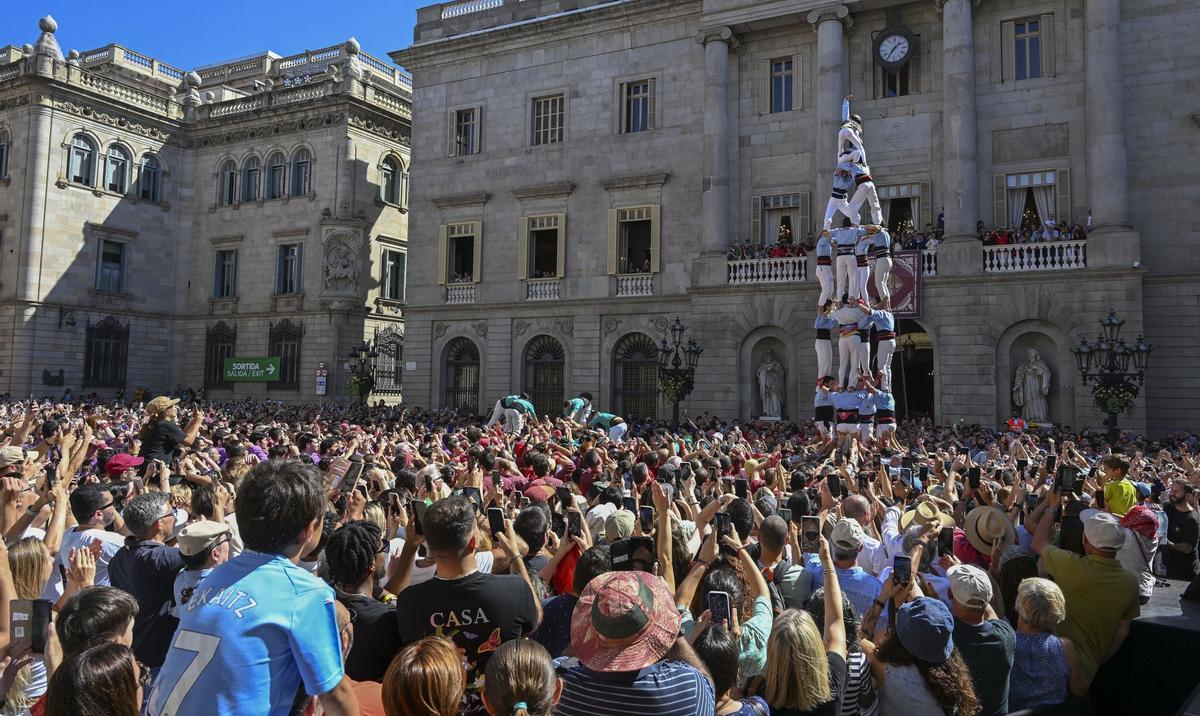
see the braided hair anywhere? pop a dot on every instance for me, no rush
(350, 554)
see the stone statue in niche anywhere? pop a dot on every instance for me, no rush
(341, 267)
(771, 386)
(1031, 385)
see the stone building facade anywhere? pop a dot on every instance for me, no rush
(582, 167)
(156, 221)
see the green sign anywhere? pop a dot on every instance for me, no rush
(252, 369)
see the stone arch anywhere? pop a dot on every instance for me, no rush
(543, 366)
(1054, 346)
(750, 353)
(634, 381)
(459, 366)
(930, 330)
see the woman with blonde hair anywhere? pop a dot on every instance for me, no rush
(806, 673)
(520, 680)
(1045, 666)
(31, 567)
(426, 678)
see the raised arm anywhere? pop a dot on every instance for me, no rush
(835, 627)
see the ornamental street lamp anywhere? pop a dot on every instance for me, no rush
(1116, 370)
(362, 371)
(677, 368)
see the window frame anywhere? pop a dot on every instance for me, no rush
(86, 153)
(112, 336)
(624, 100)
(301, 184)
(251, 177)
(227, 176)
(117, 155)
(220, 342)
(5, 144)
(1030, 39)
(786, 81)
(122, 270)
(631, 213)
(392, 167)
(386, 281)
(530, 223)
(280, 337)
(454, 147)
(458, 229)
(225, 282)
(270, 190)
(150, 168)
(296, 284)
(550, 134)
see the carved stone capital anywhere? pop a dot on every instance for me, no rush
(717, 34)
(831, 12)
(939, 4)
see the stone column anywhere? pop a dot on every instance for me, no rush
(960, 252)
(1111, 241)
(714, 190)
(37, 180)
(830, 24)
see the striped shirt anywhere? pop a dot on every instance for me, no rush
(860, 688)
(666, 688)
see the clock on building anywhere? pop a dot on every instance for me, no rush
(894, 47)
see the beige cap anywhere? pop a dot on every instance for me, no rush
(970, 586)
(199, 536)
(618, 526)
(159, 405)
(1103, 530)
(11, 456)
(847, 534)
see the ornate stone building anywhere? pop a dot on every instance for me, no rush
(582, 168)
(156, 221)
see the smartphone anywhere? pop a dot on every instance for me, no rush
(27, 623)
(785, 514)
(973, 477)
(906, 477)
(564, 498)
(558, 523)
(1077, 483)
(525, 502)
(741, 488)
(1092, 472)
(646, 516)
(495, 520)
(719, 605)
(814, 498)
(726, 485)
(474, 495)
(810, 534)
(902, 569)
(1022, 466)
(419, 515)
(1051, 463)
(574, 524)
(923, 473)
(1031, 501)
(628, 503)
(622, 555)
(835, 485)
(945, 543)
(1098, 497)
(338, 467)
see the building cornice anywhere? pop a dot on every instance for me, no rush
(543, 191)
(635, 181)
(473, 199)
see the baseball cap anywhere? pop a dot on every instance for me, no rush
(11, 456)
(160, 404)
(200, 536)
(618, 525)
(624, 621)
(121, 462)
(847, 534)
(970, 585)
(1103, 530)
(926, 628)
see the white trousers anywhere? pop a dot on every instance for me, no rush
(862, 274)
(864, 429)
(883, 362)
(825, 278)
(836, 205)
(864, 356)
(513, 422)
(824, 351)
(847, 358)
(846, 268)
(883, 271)
(617, 432)
(866, 193)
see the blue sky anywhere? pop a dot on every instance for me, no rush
(191, 34)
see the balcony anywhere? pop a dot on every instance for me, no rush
(460, 293)
(1049, 256)
(790, 269)
(635, 284)
(929, 262)
(542, 289)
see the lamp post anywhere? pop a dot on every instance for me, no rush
(362, 370)
(677, 368)
(1116, 370)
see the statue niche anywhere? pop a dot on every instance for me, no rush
(341, 268)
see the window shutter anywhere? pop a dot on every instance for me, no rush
(522, 248)
(478, 129)
(926, 204)
(402, 259)
(755, 219)
(450, 144)
(477, 267)
(1062, 186)
(797, 81)
(655, 239)
(216, 273)
(999, 202)
(764, 87)
(299, 268)
(613, 226)
(621, 106)
(652, 117)
(442, 268)
(561, 269)
(1047, 42)
(1008, 60)
(802, 231)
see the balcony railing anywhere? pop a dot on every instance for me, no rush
(635, 284)
(789, 269)
(542, 289)
(929, 262)
(460, 293)
(1049, 256)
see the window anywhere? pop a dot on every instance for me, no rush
(782, 84)
(548, 120)
(637, 106)
(462, 377)
(275, 172)
(250, 171)
(82, 160)
(1032, 198)
(635, 377)
(389, 181)
(116, 170)
(105, 354)
(389, 344)
(285, 344)
(288, 267)
(464, 132)
(541, 247)
(895, 83)
(458, 253)
(110, 274)
(3, 153)
(301, 170)
(218, 345)
(391, 284)
(633, 240)
(227, 191)
(150, 179)
(544, 362)
(225, 274)
(1027, 49)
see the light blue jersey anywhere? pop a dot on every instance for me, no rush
(824, 246)
(847, 239)
(868, 404)
(255, 630)
(885, 401)
(883, 321)
(825, 323)
(574, 405)
(602, 420)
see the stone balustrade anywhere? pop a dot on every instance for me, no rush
(1047, 256)
(786, 269)
(929, 262)
(466, 7)
(460, 293)
(542, 289)
(635, 284)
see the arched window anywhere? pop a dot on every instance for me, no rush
(275, 172)
(3, 153)
(116, 170)
(82, 160)
(544, 361)
(105, 354)
(301, 172)
(462, 376)
(284, 342)
(150, 179)
(389, 344)
(250, 171)
(227, 178)
(389, 181)
(218, 345)
(635, 377)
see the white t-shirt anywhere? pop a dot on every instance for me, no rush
(110, 542)
(484, 561)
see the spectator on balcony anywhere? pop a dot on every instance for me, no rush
(933, 242)
(1078, 233)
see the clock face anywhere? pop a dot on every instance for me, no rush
(894, 49)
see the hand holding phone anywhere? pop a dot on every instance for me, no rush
(646, 517)
(810, 534)
(495, 517)
(902, 570)
(741, 487)
(721, 608)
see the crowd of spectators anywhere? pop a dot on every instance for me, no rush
(1032, 231)
(258, 558)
